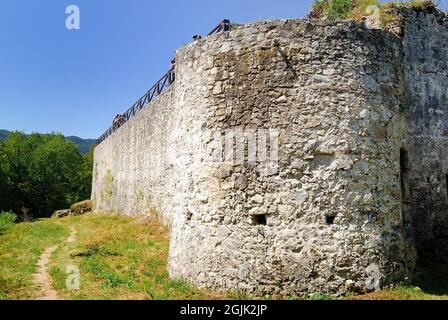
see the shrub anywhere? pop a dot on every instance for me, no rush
(7, 220)
(332, 9)
(340, 9)
(356, 9)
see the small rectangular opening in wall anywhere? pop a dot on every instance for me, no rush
(446, 181)
(329, 219)
(404, 183)
(259, 219)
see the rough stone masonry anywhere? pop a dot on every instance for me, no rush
(293, 156)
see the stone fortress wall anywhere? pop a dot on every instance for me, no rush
(425, 69)
(292, 156)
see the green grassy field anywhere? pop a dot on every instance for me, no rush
(118, 258)
(20, 248)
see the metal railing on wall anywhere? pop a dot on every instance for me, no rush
(164, 83)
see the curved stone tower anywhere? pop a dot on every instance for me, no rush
(278, 158)
(326, 98)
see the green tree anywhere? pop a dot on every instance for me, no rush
(42, 173)
(16, 156)
(85, 175)
(53, 173)
(3, 182)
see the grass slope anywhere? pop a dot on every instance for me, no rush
(20, 249)
(118, 258)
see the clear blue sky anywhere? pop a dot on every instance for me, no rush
(74, 82)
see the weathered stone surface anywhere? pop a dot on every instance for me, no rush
(426, 104)
(61, 214)
(333, 204)
(81, 207)
(75, 209)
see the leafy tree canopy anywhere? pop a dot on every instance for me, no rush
(42, 173)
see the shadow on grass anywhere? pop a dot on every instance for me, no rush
(434, 287)
(432, 278)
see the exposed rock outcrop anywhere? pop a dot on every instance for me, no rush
(75, 209)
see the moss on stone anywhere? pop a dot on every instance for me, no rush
(139, 200)
(108, 183)
(234, 26)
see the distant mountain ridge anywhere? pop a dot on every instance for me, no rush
(83, 145)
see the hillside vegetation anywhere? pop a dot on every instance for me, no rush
(42, 173)
(3, 134)
(118, 258)
(357, 9)
(83, 145)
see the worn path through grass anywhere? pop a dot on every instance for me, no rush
(42, 278)
(20, 249)
(118, 258)
(113, 257)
